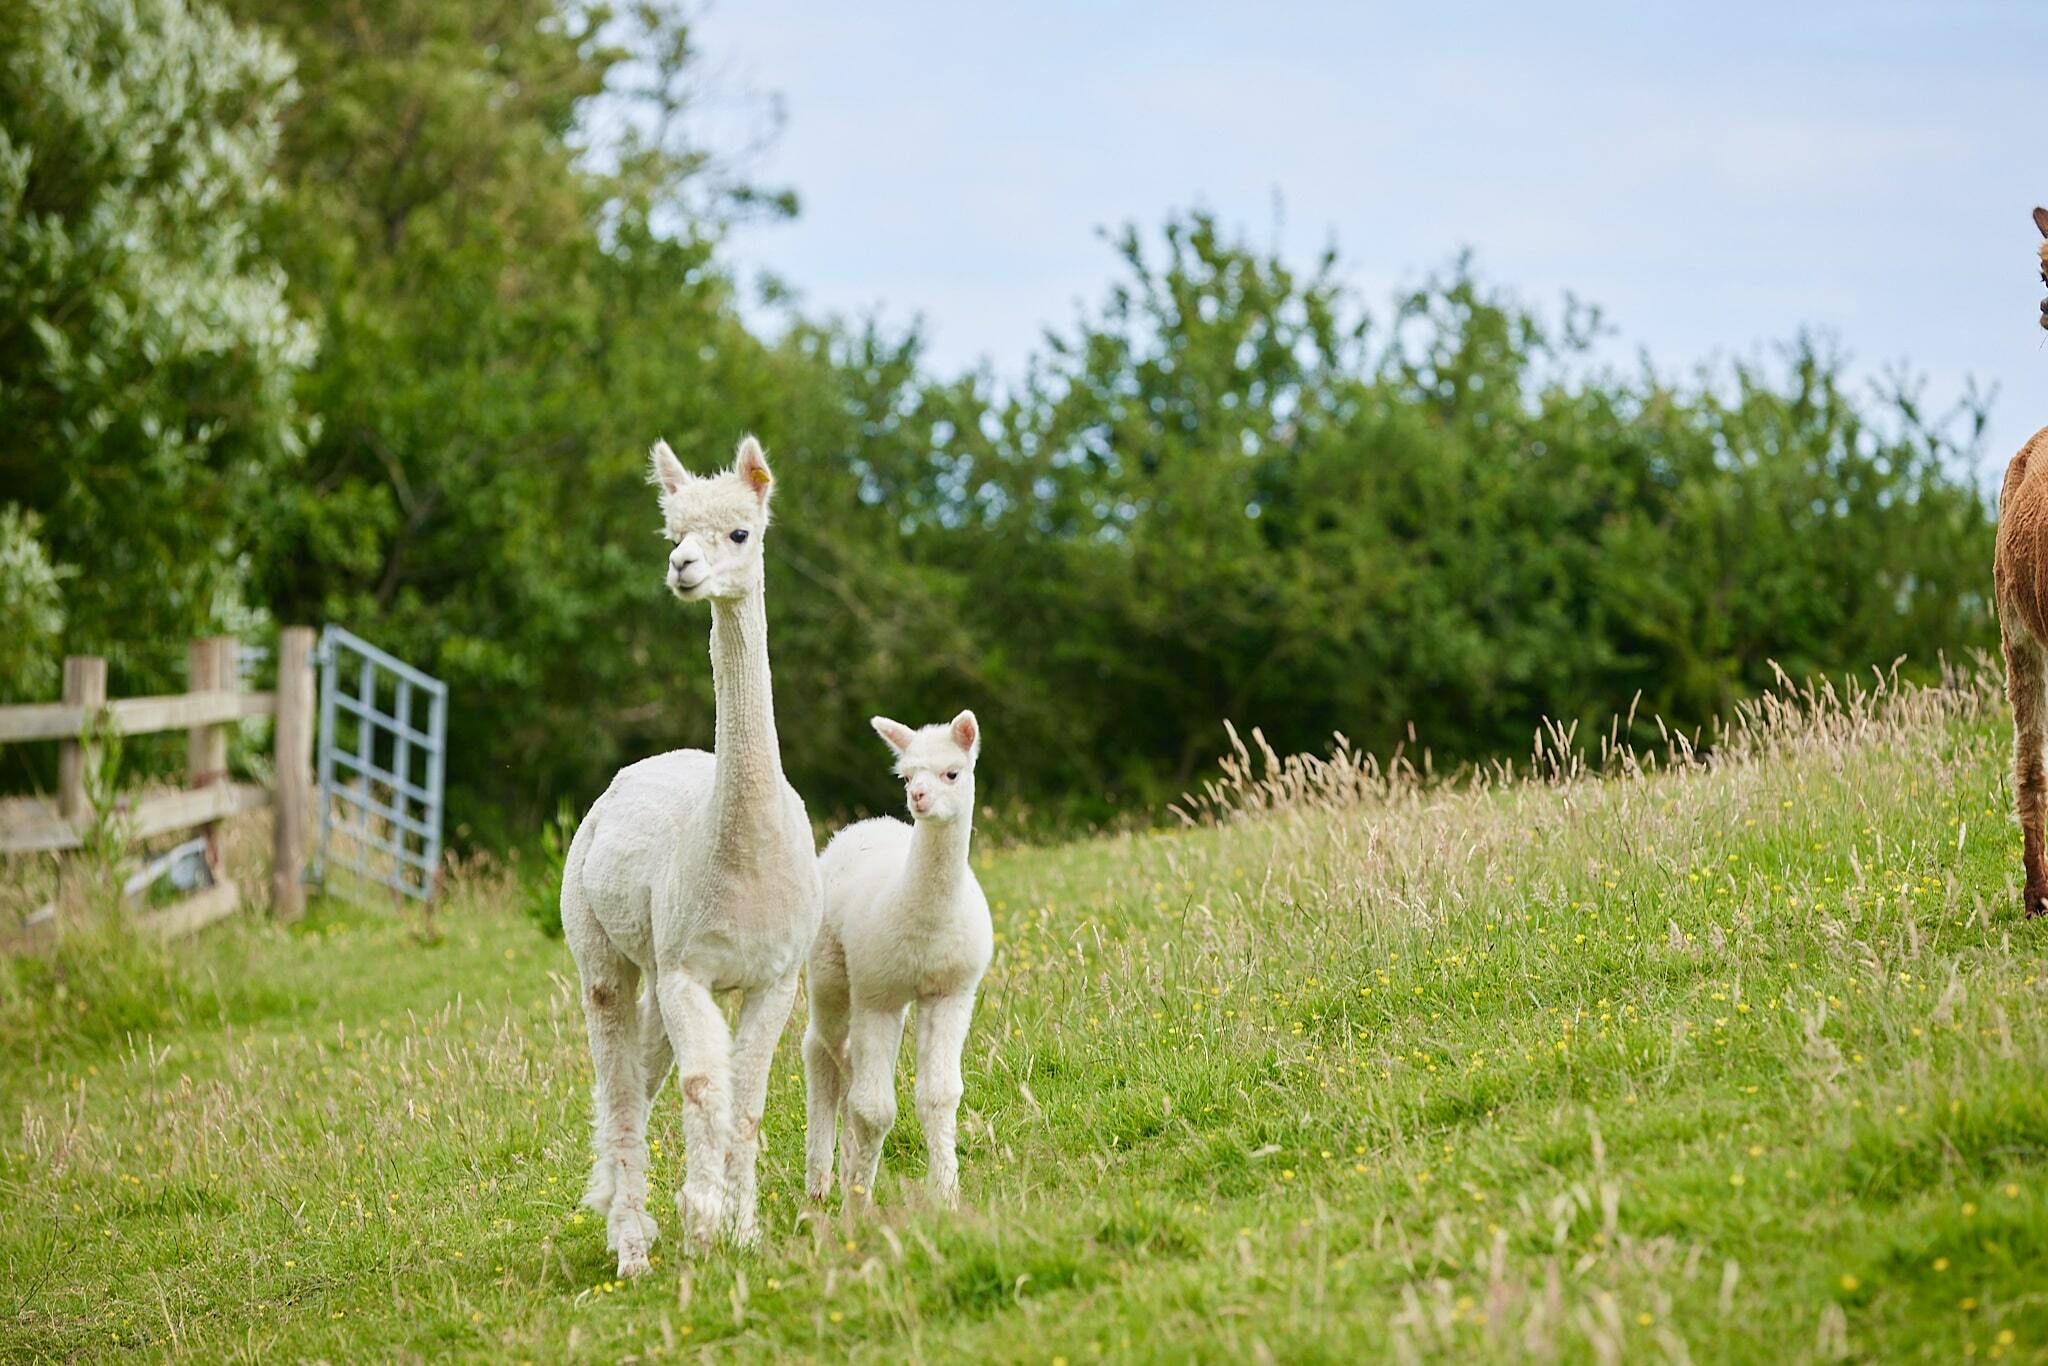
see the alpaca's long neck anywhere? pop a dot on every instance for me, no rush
(746, 794)
(936, 865)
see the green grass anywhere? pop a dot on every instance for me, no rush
(1736, 1063)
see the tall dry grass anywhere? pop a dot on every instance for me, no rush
(1255, 781)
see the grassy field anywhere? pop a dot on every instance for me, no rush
(1730, 1062)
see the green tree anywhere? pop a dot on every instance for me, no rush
(31, 609)
(1225, 495)
(511, 309)
(147, 354)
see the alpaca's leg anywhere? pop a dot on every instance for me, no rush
(762, 1017)
(875, 1037)
(941, 1035)
(2026, 682)
(618, 1179)
(849, 1156)
(824, 1088)
(825, 1072)
(703, 1049)
(657, 1055)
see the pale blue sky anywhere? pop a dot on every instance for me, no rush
(1715, 177)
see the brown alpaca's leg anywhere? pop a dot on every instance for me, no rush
(2026, 680)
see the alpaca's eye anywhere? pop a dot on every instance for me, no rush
(952, 775)
(739, 537)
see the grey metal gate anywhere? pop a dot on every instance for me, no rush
(381, 765)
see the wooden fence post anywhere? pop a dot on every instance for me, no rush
(294, 763)
(78, 761)
(210, 666)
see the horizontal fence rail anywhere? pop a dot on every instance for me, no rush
(132, 715)
(31, 825)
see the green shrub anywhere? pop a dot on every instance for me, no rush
(542, 886)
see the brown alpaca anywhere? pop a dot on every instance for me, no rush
(2041, 222)
(2019, 570)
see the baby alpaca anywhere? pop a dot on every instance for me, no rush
(904, 921)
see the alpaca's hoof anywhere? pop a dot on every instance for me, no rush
(2036, 901)
(705, 1213)
(818, 1184)
(946, 1194)
(632, 1259)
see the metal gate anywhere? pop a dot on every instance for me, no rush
(381, 766)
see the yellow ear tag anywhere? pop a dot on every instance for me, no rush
(759, 477)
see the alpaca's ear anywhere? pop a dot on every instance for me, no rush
(2041, 220)
(895, 734)
(751, 464)
(667, 471)
(966, 733)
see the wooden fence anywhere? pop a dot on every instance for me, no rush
(85, 719)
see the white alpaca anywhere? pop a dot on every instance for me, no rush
(905, 921)
(697, 873)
